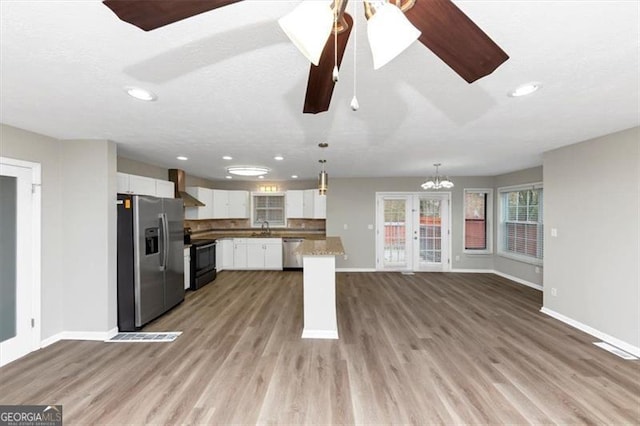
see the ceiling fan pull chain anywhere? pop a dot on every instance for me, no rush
(354, 101)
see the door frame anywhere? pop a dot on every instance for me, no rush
(36, 241)
(411, 197)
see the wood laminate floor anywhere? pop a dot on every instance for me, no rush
(422, 349)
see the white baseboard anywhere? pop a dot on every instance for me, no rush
(79, 335)
(518, 280)
(473, 271)
(592, 331)
(319, 334)
(355, 270)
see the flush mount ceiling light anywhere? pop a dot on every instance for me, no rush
(437, 181)
(278, 158)
(182, 158)
(525, 89)
(294, 176)
(141, 94)
(228, 177)
(227, 157)
(247, 170)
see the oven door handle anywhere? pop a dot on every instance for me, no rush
(164, 226)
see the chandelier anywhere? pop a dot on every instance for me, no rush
(437, 181)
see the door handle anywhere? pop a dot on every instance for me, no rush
(165, 241)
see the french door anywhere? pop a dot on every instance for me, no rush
(413, 231)
(19, 240)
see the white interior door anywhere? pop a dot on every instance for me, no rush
(413, 232)
(16, 262)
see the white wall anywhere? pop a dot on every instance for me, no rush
(591, 196)
(88, 171)
(78, 229)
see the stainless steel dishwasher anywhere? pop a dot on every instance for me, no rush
(291, 260)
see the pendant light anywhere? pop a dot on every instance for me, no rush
(323, 180)
(437, 181)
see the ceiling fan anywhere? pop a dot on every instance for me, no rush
(444, 29)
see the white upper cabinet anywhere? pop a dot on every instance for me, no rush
(219, 204)
(142, 185)
(315, 205)
(165, 189)
(295, 203)
(239, 204)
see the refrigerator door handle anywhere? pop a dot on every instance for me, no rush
(164, 226)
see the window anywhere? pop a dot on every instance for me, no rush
(269, 208)
(521, 227)
(477, 220)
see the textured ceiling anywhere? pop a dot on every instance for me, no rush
(230, 83)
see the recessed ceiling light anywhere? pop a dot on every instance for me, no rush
(278, 158)
(525, 89)
(141, 94)
(323, 144)
(181, 158)
(227, 157)
(294, 176)
(247, 170)
(229, 177)
(260, 177)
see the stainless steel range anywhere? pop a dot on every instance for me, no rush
(203, 262)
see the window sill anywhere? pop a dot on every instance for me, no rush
(523, 259)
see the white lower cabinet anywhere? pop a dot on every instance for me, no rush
(257, 253)
(187, 268)
(224, 254)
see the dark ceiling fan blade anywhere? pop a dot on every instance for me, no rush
(451, 35)
(320, 84)
(152, 14)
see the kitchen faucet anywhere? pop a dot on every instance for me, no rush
(268, 231)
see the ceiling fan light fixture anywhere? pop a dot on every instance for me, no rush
(389, 33)
(251, 171)
(308, 26)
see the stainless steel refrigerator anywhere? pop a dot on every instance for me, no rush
(150, 258)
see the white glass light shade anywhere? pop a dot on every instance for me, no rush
(247, 170)
(390, 33)
(308, 26)
(437, 183)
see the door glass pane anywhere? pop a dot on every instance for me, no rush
(430, 231)
(8, 227)
(395, 231)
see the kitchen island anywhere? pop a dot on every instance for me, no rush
(319, 287)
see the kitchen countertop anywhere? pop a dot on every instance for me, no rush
(255, 233)
(330, 246)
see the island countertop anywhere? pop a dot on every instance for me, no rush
(331, 246)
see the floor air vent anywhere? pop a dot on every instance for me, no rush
(614, 350)
(145, 337)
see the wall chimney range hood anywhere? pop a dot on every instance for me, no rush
(178, 177)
